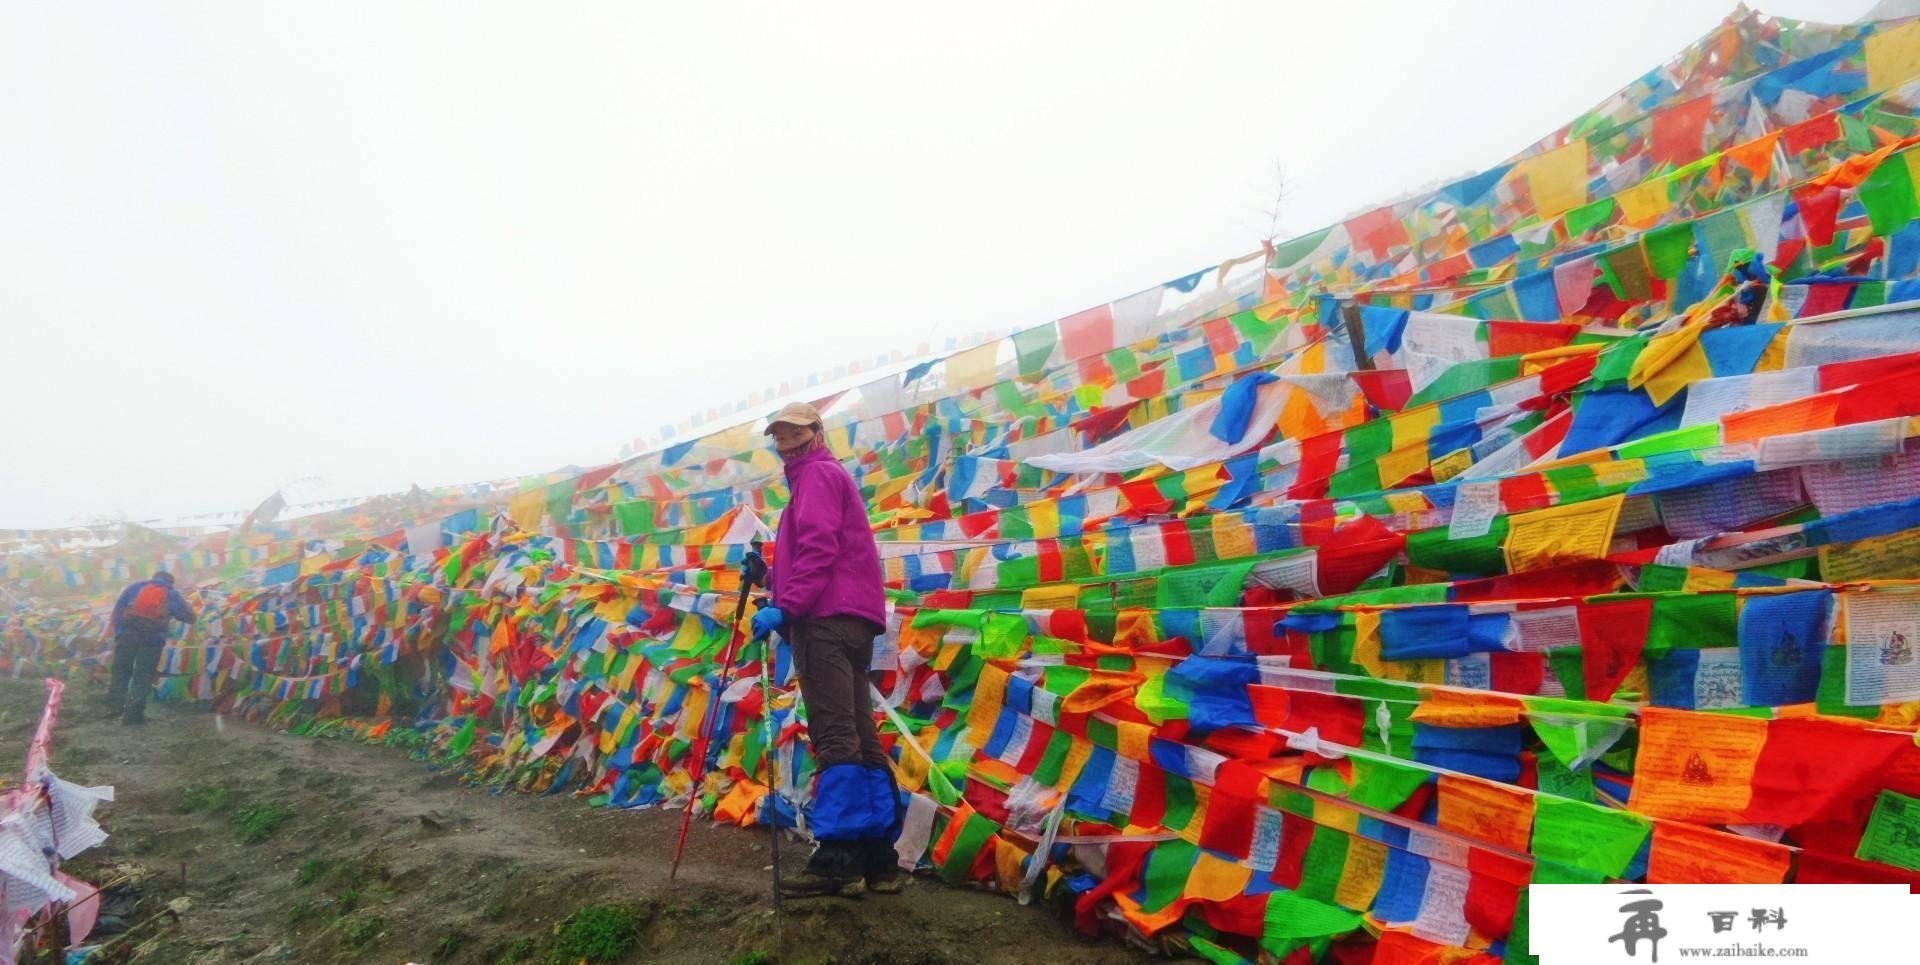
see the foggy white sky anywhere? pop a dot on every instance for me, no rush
(382, 244)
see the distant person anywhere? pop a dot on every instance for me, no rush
(829, 603)
(139, 634)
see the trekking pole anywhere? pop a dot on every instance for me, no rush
(752, 570)
(773, 782)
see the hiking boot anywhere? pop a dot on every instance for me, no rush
(836, 868)
(135, 718)
(882, 868)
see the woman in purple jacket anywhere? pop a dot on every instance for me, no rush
(830, 604)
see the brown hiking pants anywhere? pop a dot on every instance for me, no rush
(832, 655)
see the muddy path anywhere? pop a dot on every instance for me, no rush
(296, 849)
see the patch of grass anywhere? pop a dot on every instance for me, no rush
(310, 871)
(755, 958)
(596, 933)
(205, 799)
(521, 950)
(77, 756)
(257, 822)
(302, 911)
(361, 932)
(348, 900)
(448, 944)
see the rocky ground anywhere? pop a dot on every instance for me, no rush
(297, 849)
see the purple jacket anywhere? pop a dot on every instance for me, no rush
(825, 562)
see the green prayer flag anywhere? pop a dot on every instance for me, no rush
(1288, 253)
(1034, 346)
(1291, 915)
(1577, 742)
(1627, 273)
(635, 517)
(1326, 859)
(1384, 785)
(1887, 194)
(973, 836)
(1168, 867)
(1893, 832)
(1002, 636)
(1703, 436)
(1589, 216)
(1216, 954)
(1519, 940)
(1569, 669)
(1591, 838)
(1692, 620)
(1669, 249)
(1180, 803)
(464, 739)
(1557, 780)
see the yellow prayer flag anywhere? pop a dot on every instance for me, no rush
(1366, 642)
(1313, 361)
(1360, 877)
(1398, 464)
(1670, 362)
(1133, 737)
(1644, 203)
(1892, 557)
(1562, 534)
(692, 712)
(1699, 578)
(1331, 814)
(1452, 464)
(1558, 179)
(891, 488)
(1009, 864)
(1431, 671)
(1893, 56)
(1613, 472)
(1406, 502)
(1232, 536)
(1065, 596)
(1044, 517)
(1215, 879)
(740, 438)
(526, 509)
(974, 367)
(989, 691)
(1414, 425)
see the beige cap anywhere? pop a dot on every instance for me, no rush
(795, 414)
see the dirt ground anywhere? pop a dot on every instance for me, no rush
(297, 849)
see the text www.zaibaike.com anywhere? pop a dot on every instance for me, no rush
(1754, 950)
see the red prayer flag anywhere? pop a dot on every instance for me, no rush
(1612, 636)
(1678, 130)
(1377, 231)
(1087, 333)
(1811, 133)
